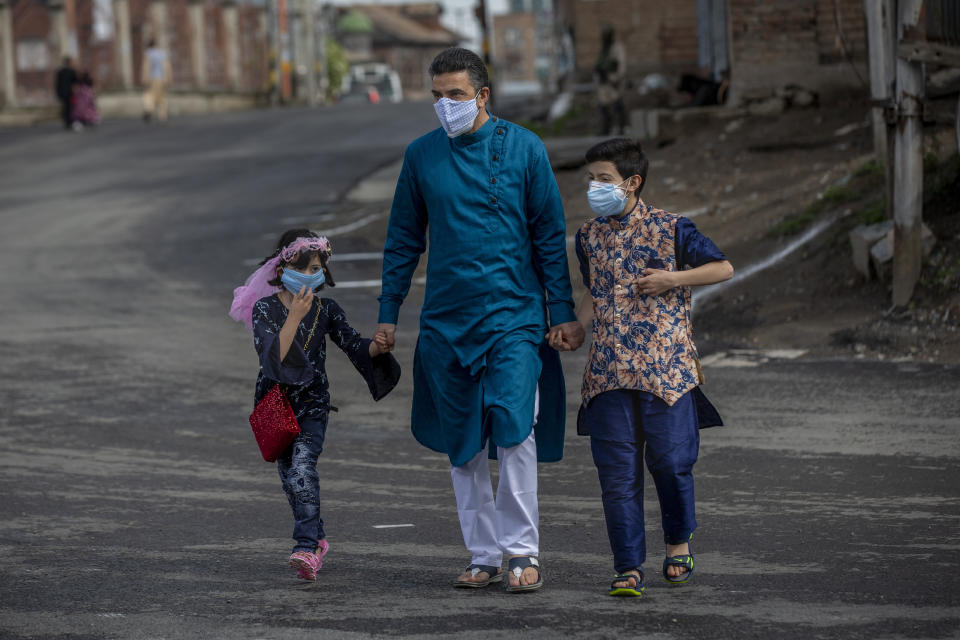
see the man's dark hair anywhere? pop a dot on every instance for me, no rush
(457, 59)
(625, 154)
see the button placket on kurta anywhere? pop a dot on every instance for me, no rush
(495, 167)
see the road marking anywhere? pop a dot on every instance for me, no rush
(322, 217)
(358, 284)
(337, 257)
(352, 226)
(362, 284)
(390, 526)
(357, 257)
(736, 358)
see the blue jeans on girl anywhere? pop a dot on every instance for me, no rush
(301, 483)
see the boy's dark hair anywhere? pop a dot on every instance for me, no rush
(457, 59)
(625, 154)
(303, 258)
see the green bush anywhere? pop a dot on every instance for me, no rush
(337, 68)
(874, 212)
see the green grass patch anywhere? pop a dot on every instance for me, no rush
(872, 169)
(793, 225)
(862, 183)
(838, 195)
(874, 212)
(557, 127)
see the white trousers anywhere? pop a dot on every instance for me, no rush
(510, 524)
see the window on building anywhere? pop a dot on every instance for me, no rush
(33, 55)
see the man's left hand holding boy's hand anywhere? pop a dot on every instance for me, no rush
(566, 337)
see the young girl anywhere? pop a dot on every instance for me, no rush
(85, 102)
(289, 324)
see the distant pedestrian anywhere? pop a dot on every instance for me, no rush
(640, 397)
(85, 102)
(156, 74)
(290, 324)
(609, 73)
(64, 83)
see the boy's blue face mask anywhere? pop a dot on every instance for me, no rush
(606, 199)
(294, 280)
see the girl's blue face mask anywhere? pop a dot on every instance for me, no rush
(606, 199)
(294, 280)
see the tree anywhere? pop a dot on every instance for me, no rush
(337, 68)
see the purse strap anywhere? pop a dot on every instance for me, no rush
(316, 319)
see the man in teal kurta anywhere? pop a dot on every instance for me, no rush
(483, 191)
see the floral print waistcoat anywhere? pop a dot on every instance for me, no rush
(640, 341)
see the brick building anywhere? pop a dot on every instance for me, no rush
(765, 44)
(524, 51)
(214, 45)
(405, 37)
(817, 44)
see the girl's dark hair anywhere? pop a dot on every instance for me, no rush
(303, 258)
(457, 59)
(625, 154)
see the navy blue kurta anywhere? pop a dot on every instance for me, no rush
(489, 203)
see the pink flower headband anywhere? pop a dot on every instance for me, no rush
(258, 284)
(289, 252)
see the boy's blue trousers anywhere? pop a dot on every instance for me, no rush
(627, 427)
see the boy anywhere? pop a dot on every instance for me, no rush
(643, 364)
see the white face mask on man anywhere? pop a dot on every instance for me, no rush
(457, 116)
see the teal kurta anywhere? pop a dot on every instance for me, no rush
(497, 268)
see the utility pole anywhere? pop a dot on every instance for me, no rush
(283, 51)
(882, 45)
(309, 18)
(480, 11)
(273, 52)
(908, 161)
(323, 30)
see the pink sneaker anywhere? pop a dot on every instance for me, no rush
(306, 564)
(322, 549)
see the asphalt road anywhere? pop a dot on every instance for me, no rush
(134, 504)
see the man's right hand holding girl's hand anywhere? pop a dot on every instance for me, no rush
(379, 345)
(385, 336)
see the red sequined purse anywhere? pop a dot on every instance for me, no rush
(273, 421)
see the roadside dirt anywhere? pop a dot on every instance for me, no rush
(756, 184)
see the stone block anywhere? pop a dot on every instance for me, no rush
(645, 123)
(770, 107)
(881, 253)
(862, 239)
